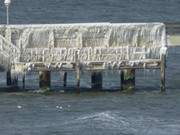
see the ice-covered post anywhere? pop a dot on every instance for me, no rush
(45, 80)
(128, 77)
(128, 80)
(163, 53)
(162, 70)
(7, 4)
(77, 63)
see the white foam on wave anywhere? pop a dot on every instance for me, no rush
(137, 124)
(103, 119)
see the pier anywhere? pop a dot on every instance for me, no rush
(93, 47)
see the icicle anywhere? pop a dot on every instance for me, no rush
(47, 65)
(131, 63)
(163, 50)
(59, 65)
(113, 65)
(51, 39)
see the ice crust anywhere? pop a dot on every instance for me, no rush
(91, 42)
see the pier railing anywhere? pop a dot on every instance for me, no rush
(9, 53)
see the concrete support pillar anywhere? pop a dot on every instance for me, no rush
(96, 80)
(128, 80)
(162, 73)
(45, 80)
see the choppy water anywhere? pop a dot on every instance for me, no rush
(89, 114)
(94, 113)
(65, 11)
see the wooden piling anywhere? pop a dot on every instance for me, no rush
(8, 78)
(11, 80)
(14, 81)
(23, 81)
(77, 68)
(128, 80)
(96, 80)
(78, 79)
(63, 76)
(162, 72)
(45, 80)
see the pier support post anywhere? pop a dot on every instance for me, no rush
(23, 81)
(63, 76)
(162, 72)
(128, 80)
(77, 68)
(45, 80)
(8, 78)
(14, 81)
(11, 80)
(78, 77)
(96, 80)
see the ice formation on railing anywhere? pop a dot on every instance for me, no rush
(96, 42)
(9, 53)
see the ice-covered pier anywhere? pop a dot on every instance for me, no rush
(92, 46)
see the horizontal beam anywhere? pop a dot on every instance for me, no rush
(65, 66)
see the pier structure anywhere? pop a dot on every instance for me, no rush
(95, 47)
